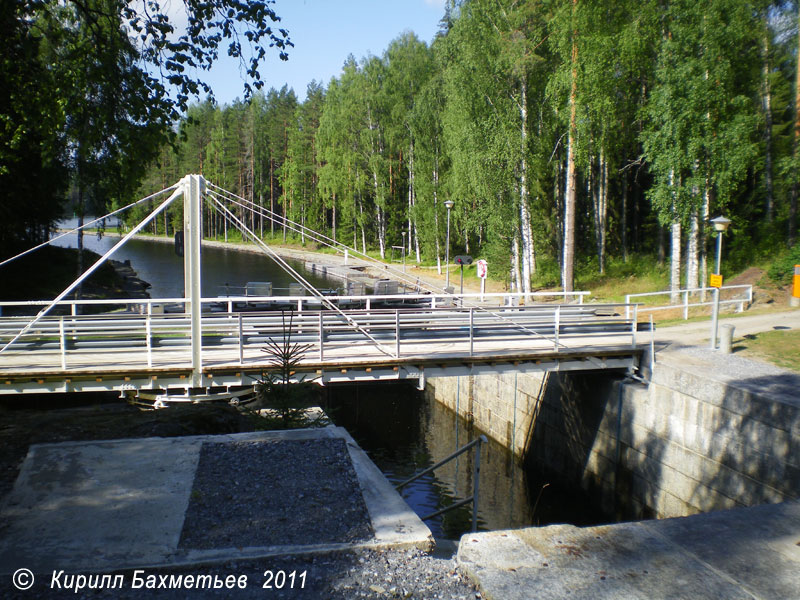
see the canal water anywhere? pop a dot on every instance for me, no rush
(401, 431)
(404, 433)
(223, 270)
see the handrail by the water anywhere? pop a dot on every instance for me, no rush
(475, 480)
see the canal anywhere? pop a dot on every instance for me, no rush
(223, 269)
(404, 433)
(400, 430)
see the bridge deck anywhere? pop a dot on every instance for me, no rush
(131, 351)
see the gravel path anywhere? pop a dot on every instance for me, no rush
(242, 496)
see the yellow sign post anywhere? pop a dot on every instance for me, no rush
(715, 281)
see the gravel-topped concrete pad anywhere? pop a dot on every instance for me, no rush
(743, 553)
(98, 506)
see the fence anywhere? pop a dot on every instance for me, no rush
(152, 327)
(685, 296)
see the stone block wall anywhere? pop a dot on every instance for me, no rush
(677, 445)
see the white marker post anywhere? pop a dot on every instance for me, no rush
(482, 269)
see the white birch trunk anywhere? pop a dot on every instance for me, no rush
(692, 249)
(675, 251)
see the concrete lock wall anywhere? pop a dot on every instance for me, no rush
(674, 447)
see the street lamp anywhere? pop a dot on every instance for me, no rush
(448, 204)
(720, 225)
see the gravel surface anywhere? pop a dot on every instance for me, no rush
(348, 575)
(243, 497)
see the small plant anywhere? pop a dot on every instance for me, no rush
(275, 388)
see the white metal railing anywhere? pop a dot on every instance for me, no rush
(394, 329)
(685, 295)
(298, 302)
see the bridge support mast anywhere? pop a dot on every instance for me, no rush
(193, 186)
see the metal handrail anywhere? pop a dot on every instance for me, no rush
(685, 304)
(482, 439)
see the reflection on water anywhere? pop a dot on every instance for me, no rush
(403, 434)
(156, 263)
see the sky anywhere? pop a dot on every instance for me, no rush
(324, 33)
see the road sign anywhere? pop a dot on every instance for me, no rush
(715, 281)
(481, 268)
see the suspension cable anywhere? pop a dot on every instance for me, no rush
(299, 278)
(337, 245)
(321, 238)
(89, 224)
(93, 268)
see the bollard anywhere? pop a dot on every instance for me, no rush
(794, 300)
(726, 339)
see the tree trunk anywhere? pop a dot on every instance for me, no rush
(675, 251)
(435, 175)
(766, 94)
(692, 252)
(624, 224)
(567, 269)
(272, 196)
(515, 284)
(528, 267)
(795, 150)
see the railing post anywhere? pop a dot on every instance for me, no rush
(557, 326)
(685, 305)
(471, 328)
(633, 325)
(63, 342)
(241, 340)
(148, 330)
(321, 338)
(397, 332)
(627, 306)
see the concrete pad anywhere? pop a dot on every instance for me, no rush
(742, 553)
(101, 506)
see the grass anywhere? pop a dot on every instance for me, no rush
(781, 348)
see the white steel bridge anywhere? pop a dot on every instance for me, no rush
(201, 345)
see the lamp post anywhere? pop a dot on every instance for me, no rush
(448, 204)
(720, 225)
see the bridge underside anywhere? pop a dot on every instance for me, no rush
(224, 377)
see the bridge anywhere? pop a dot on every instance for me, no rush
(195, 345)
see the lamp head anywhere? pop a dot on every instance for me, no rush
(449, 204)
(721, 223)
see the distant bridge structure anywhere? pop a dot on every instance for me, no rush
(195, 345)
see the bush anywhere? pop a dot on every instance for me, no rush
(782, 269)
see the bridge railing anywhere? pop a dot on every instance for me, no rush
(299, 303)
(681, 299)
(240, 336)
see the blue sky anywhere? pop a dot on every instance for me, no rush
(324, 33)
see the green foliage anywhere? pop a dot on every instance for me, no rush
(670, 127)
(782, 269)
(276, 389)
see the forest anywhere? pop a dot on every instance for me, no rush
(569, 135)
